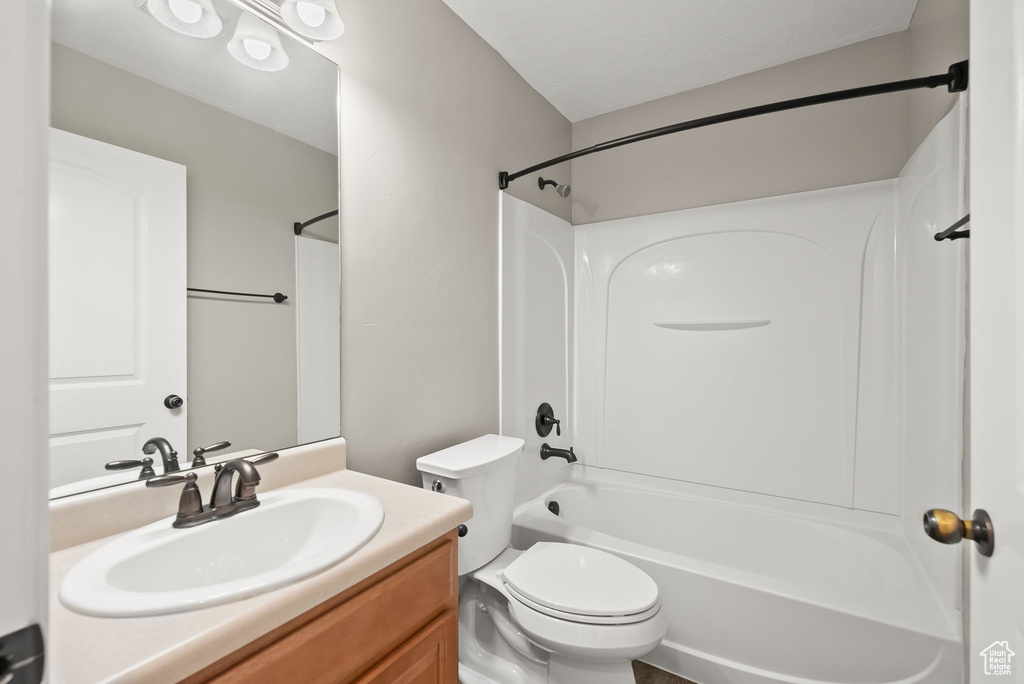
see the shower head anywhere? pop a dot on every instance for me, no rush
(562, 190)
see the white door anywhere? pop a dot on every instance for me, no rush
(996, 589)
(117, 305)
(318, 338)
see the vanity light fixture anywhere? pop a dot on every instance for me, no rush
(314, 19)
(257, 44)
(196, 18)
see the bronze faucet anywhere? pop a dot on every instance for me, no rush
(223, 502)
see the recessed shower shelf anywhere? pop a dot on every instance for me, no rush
(704, 326)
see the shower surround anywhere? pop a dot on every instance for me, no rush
(764, 397)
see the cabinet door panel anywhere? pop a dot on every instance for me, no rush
(431, 657)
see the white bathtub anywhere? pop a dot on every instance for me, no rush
(757, 597)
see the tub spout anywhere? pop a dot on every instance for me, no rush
(547, 452)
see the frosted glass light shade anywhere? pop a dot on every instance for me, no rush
(196, 18)
(257, 45)
(314, 19)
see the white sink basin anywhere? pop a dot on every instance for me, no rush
(155, 570)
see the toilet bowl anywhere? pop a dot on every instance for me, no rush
(555, 612)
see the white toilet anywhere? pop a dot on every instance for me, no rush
(556, 612)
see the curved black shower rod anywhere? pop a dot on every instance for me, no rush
(955, 79)
(299, 227)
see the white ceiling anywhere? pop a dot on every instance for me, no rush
(300, 101)
(588, 57)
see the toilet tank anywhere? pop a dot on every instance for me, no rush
(483, 471)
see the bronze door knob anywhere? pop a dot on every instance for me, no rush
(947, 527)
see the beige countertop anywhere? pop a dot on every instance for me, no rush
(167, 648)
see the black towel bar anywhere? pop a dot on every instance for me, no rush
(277, 296)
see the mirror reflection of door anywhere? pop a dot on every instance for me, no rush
(209, 296)
(117, 314)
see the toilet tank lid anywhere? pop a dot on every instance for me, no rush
(471, 458)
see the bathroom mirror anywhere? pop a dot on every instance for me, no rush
(187, 307)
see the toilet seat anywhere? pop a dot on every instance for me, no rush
(584, 619)
(581, 584)
(596, 643)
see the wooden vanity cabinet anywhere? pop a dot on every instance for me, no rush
(399, 625)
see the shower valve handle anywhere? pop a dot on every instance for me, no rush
(549, 421)
(546, 420)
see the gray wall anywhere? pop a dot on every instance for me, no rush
(246, 185)
(430, 114)
(818, 147)
(805, 149)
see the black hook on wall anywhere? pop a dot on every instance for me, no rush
(953, 232)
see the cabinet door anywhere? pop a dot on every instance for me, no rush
(430, 657)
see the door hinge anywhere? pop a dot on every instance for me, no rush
(21, 656)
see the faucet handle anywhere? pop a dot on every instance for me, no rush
(191, 502)
(198, 460)
(263, 458)
(146, 464)
(168, 480)
(255, 460)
